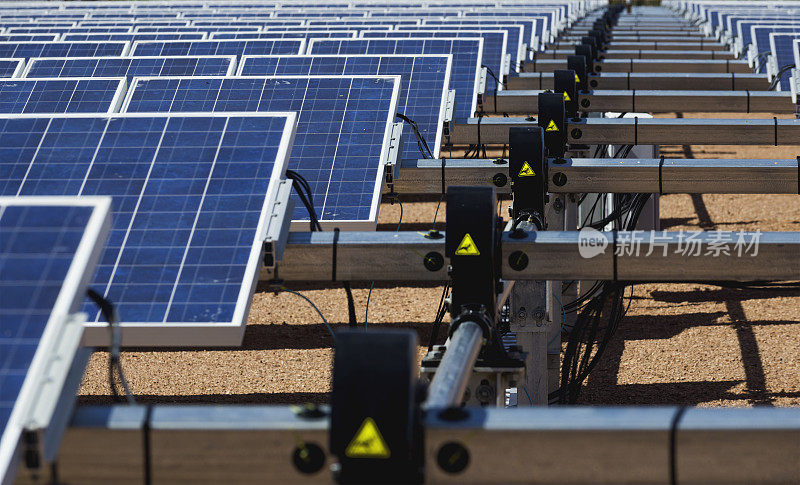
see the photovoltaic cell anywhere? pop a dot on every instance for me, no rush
(342, 134)
(134, 37)
(98, 95)
(782, 47)
(48, 249)
(494, 45)
(26, 50)
(308, 34)
(467, 55)
(219, 47)
(189, 199)
(423, 87)
(11, 67)
(28, 37)
(129, 67)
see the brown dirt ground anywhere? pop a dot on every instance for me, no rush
(678, 344)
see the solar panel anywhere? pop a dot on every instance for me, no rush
(342, 135)
(28, 37)
(191, 29)
(306, 34)
(514, 35)
(66, 30)
(27, 50)
(782, 47)
(761, 41)
(131, 37)
(61, 95)
(218, 47)
(467, 54)
(48, 249)
(190, 194)
(11, 67)
(423, 88)
(533, 28)
(494, 45)
(129, 67)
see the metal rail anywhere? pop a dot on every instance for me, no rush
(257, 444)
(452, 376)
(641, 131)
(639, 53)
(650, 101)
(648, 80)
(549, 255)
(610, 175)
(647, 65)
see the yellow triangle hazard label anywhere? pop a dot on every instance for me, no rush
(577, 79)
(467, 247)
(526, 171)
(368, 442)
(566, 97)
(551, 126)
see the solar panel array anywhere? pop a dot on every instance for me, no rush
(764, 32)
(186, 116)
(74, 63)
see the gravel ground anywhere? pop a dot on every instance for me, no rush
(678, 344)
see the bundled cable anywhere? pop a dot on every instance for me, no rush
(303, 190)
(422, 144)
(109, 312)
(777, 79)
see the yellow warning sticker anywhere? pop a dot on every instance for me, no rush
(368, 442)
(577, 79)
(566, 97)
(551, 126)
(467, 247)
(526, 171)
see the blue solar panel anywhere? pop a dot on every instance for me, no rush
(48, 247)
(219, 47)
(423, 87)
(131, 37)
(494, 45)
(306, 34)
(745, 28)
(28, 37)
(11, 67)
(196, 29)
(27, 50)
(533, 29)
(189, 202)
(466, 60)
(363, 22)
(63, 30)
(782, 46)
(342, 133)
(761, 41)
(514, 35)
(98, 95)
(131, 66)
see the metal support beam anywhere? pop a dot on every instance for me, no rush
(621, 53)
(261, 444)
(640, 131)
(648, 80)
(644, 43)
(451, 378)
(580, 175)
(549, 255)
(646, 65)
(651, 101)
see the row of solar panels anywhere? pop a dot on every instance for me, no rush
(765, 33)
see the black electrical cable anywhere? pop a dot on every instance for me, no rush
(777, 79)
(441, 310)
(422, 144)
(497, 84)
(303, 191)
(109, 312)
